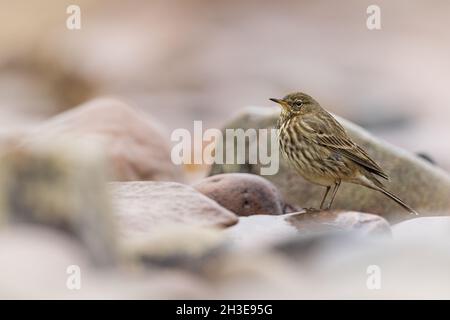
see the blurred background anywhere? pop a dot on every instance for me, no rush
(180, 61)
(203, 60)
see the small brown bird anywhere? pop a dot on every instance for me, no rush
(316, 144)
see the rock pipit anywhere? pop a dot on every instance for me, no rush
(318, 147)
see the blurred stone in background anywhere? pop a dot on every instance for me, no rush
(142, 207)
(201, 60)
(188, 60)
(135, 144)
(60, 184)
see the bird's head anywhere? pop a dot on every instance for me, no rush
(297, 103)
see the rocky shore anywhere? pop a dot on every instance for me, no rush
(95, 187)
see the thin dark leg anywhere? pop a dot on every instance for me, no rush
(336, 187)
(325, 196)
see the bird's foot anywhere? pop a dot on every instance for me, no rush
(311, 210)
(315, 210)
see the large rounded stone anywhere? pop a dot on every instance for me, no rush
(135, 143)
(143, 207)
(60, 183)
(325, 221)
(429, 229)
(37, 262)
(422, 185)
(263, 231)
(243, 194)
(162, 247)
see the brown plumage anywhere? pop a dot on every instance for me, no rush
(318, 147)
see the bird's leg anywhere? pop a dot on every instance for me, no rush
(325, 196)
(336, 187)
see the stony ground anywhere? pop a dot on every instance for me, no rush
(153, 234)
(88, 181)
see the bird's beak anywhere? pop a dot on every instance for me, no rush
(281, 102)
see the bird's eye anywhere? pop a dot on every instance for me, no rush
(298, 103)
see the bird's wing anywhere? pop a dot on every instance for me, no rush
(340, 142)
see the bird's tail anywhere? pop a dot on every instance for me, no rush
(376, 184)
(398, 200)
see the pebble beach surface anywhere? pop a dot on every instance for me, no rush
(82, 189)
